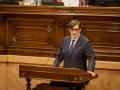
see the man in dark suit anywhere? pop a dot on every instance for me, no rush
(75, 50)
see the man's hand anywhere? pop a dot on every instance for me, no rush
(92, 73)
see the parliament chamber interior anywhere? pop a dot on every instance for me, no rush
(31, 32)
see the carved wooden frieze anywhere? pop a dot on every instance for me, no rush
(2, 35)
(30, 34)
(40, 30)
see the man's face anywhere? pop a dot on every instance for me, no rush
(75, 31)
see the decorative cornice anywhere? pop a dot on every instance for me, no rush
(60, 10)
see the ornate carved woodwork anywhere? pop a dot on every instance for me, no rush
(30, 30)
(2, 35)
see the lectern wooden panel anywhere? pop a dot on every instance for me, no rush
(53, 73)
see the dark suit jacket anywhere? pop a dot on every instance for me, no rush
(78, 58)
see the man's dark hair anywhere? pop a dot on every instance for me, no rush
(74, 22)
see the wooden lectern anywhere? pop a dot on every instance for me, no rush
(53, 73)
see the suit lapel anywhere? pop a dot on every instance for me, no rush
(77, 44)
(67, 45)
(79, 41)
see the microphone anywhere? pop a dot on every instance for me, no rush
(58, 51)
(47, 60)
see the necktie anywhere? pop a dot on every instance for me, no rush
(71, 47)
